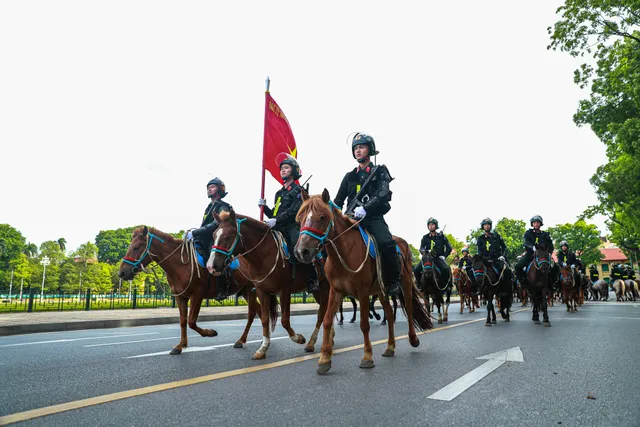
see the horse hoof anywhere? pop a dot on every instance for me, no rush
(488, 324)
(212, 333)
(309, 349)
(415, 341)
(494, 322)
(388, 353)
(175, 351)
(323, 368)
(439, 321)
(537, 322)
(238, 344)
(446, 319)
(383, 323)
(461, 312)
(377, 316)
(301, 339)
(352, 321)
(258, 356)
(507, 320)
(547, 324)
(366, 364)
(340, 323)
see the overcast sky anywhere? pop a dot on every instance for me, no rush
(117, 113)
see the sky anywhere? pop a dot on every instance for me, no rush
(117, 113)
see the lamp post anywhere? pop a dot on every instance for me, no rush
(11, 285)
(45, 261)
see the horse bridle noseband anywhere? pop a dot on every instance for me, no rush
(135, 263)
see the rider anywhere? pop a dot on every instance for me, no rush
(492, 247)
(593, 273)
(616, 273)
(532, 238)
(283, 216)
(203, 236)
(373, 205)
(568, 258)
(438, 246)
(466, 263)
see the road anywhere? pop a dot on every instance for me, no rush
(592, 352)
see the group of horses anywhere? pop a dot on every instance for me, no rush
(256, 265)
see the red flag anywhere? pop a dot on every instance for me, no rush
(278, 137)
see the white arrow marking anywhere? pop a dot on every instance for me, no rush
(494, 361)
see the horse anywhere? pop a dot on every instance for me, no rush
(189, 282)
(355, 310)
(522, 293)
(258, 254)
(570, 288)
(601, 290)
(538, 272)
(372, 310)
(631, 287)
(351, 270)
(432, 285)
(620, 288)
(465, 290)
(497, 284)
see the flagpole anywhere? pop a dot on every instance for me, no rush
(264, 144)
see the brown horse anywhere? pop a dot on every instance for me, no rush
(189, 282)
(352, 271)
(570, 288)
(256, 252)
(463, 284)
(538, 272)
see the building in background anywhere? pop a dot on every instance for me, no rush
(612, 255)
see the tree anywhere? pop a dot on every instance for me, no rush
(11, 245)
(51, 249)
(415, 255)
(512, 232)
(113, 244)
(22, 269)
(580, 236)
(62, 243)
(456, 247)
(609, 33)
(472, 240)
(30, 250)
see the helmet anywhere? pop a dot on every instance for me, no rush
(291, 161)
(486, 221)
(564, 243)
(465, 249)
(222, 189)
(536, 218)
(363, 139)
(432, 221)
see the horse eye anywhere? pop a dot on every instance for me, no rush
(322, 217)
(135, 248)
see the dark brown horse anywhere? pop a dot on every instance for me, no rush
(570, 288)
(538, 272)
(492, 283)
(352, 271)
(465, 290)
(251, 248)
(432, 284)
(189, 282)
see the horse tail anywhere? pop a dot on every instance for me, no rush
(273, 311)
(421, 319)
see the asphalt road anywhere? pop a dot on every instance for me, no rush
(592, 352)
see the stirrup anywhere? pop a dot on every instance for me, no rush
(393, 289)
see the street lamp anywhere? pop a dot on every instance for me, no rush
(45, 261)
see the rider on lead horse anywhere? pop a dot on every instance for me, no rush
(492, 247)
(283, 215)
(438, 246)
(203, 236)
(372, 205)
(532, 238)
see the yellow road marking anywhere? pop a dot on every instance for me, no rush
(106, 398)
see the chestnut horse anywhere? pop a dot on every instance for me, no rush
(570, 288)
(463, 284)
(189, 282)
(538, 272)
(256, 252)
(352, 271)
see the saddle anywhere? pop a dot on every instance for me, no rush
(373, 249)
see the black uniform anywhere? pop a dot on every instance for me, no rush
(632, 274)
(594, 275)
(568, 258)
(466, 263)
(491, 246)
(376, 203)
(439, 246)
(287, 203)
(532, 238)
(203, 236)
(616, 273)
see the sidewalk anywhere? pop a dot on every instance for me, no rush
(57, 321)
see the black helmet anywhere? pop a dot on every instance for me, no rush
(363, 139)
(465, 249)
(564, 243)
(222, 189)
(432, 221)
(291, 161)
(486, 221)
(536, 218)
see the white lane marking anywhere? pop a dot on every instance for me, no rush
(195, 349)
(595, 319)
(134, 342)
(494, 361)
(76, 339)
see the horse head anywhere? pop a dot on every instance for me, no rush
(427, 261)
(542, 258)
(225, 242)
(566, 275)
(478, 266)
(316, 219)
(137, 256)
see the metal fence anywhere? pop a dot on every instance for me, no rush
(31, 301)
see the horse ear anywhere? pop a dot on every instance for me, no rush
(217, 218)
(145, 231)
(325, 196)
(304, 195)
(232, 216)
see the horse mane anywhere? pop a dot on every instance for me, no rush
(317, 204)
(161, 234)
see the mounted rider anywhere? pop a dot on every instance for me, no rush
(282, 217)
(616, 273)
(466, 264)
(532, 238)
(203, 237)
(593, 273)
(438, 246)
(568, 258)
(371, 204)
(491, 246)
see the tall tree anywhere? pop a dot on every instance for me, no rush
(580, 236)
(11, 245)
(113, 244)
(456, 246)
(512, 232)
(62, 242)
(30, 250)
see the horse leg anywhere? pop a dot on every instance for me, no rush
(253, 308)
(463, 301)
(446, 306)
(437, 301)
(341, 321)
(194, 311)
(285, 307)
(545, 313)
(566, 299)
(395, 305)
(535, 302)
(323, 301)
(324, 363)
(372, 308)
(355, 310)
(489, 308)
(493, 310)
(181, 302)
(367, 360)
(391, 342)
(384, 313)
(265, 304)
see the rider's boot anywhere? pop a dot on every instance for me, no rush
(222, 287)
(391, 270)
(312, 281)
